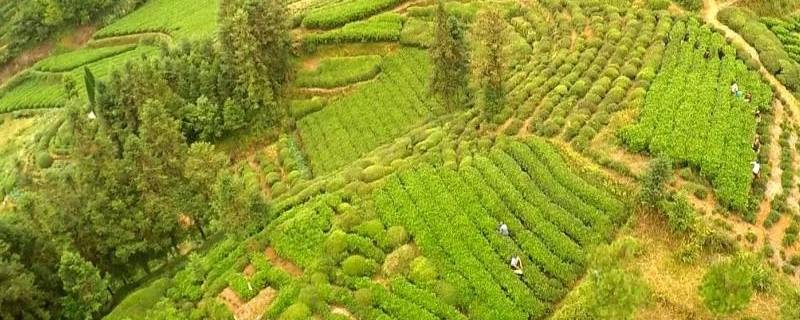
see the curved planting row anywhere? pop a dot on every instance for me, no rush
(371, 116)
(453, 217)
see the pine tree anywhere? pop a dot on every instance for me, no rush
(86, 291)
(256, 50)
(238, 202)
(450, 81)
(489, 31)
(201, 171)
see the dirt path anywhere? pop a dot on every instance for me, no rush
(340, 310)
(249, 310)
(773, 187)
(29, 57)
(284, 264)
(403, 7)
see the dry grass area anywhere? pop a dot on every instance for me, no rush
(675, 284)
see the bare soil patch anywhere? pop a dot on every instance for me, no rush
(29, 57)
(340, 310)
(284, 264)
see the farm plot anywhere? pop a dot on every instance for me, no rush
(69, 61)
(570, 89)
(381, 28)
(553, 215)
(46, 90)
(181, 19)
(371, 116)
(691, 114)
(340, 71)
(788, 31)
(338, 14)
(35, 92)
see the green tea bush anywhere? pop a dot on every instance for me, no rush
(302, 108)
(358, 266)
(332, 16)
(340, 71)
(297, 311)
(71, 60)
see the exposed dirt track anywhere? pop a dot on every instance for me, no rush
(29, 57)
(284, 264)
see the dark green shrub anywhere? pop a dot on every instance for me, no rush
(44, 160)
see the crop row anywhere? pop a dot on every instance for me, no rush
(75, 59)
(372, 115)
(381, 28)
(691, 114)
(453, 216)
(339, 14)
(35, 92)
(431, 219)
(340, 71)
(181, 19)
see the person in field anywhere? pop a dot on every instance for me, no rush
(756, 168)
(734, 88)
(503, 229)
(516, 265)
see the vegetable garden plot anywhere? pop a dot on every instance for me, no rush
(181, 19)
(553, 215)
(691, 114)
(373, 115)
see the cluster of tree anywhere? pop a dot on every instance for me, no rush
(211, 87)
(142, 178)
(35, 21)
(451, 57)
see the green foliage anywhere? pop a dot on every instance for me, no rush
(490, 30)
(386, 107)
(417, 32)
(681, 216)
(301, 237)
(34, 92)
(450, 58)
(692, 5)
(773, 8)
(238, 202)
(72, 60)
(302, 108)
(44, 160)
(181, 19)
(138, 303)
(380, 28)
(456, 213)
(332, 16)
(358, 266)
(86, 290)
(340, 71)
(658, 4)
(727, 286)
(396, 236)
(655, 180)
(297, 311)
(673, 109)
